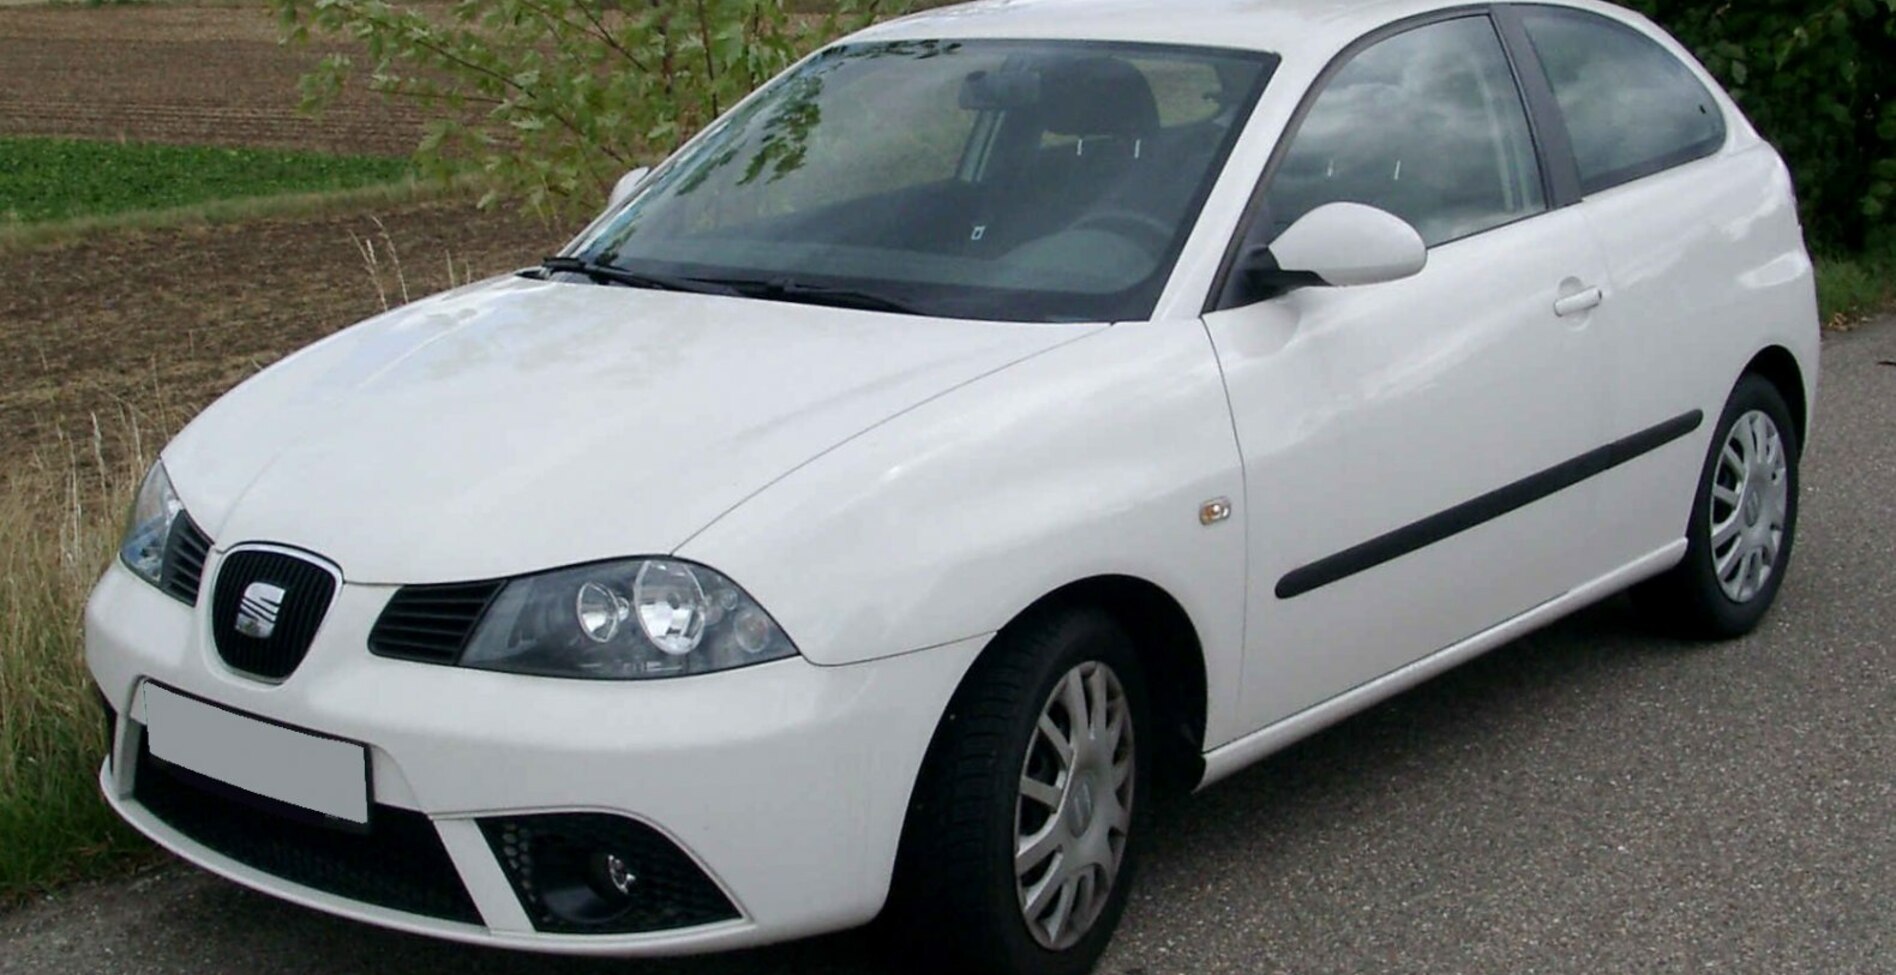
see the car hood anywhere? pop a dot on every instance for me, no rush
(517, 425)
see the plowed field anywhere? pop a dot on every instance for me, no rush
(146, 328)
(205, 75)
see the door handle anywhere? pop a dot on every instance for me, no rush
(1582, 301)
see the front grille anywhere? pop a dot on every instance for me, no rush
(399, 864)
(556, 863)
(248, 583)
(432, 624)
(186, 548)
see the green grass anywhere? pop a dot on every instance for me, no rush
(1851, 288)
(54, 828)
(49, 180)
(27, 236)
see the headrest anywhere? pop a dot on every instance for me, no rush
(1097, 96)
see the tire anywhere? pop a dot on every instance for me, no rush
(1698, 599)
(958, 903)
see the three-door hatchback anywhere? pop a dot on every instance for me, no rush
(1010, 413)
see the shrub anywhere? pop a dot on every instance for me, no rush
(1817, 77)
(553, 100)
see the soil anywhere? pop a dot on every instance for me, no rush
(138, 331)
(212, 75)
(131, 333)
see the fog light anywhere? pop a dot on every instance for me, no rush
(611, 875)
(593, 873)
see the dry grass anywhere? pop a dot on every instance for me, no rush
(66, 479)
(60, 520)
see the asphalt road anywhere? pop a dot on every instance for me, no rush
(1590, 800)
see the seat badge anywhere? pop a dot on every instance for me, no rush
(257, 611)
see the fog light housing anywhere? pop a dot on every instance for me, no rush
(592, 873)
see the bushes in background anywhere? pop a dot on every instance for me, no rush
(553, 99)
(1818, 77)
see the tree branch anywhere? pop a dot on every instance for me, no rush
(605, 34)
(422, 41)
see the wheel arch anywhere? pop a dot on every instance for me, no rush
(1170, 652)
(1778, 366)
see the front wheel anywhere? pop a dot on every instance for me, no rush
(1019, 848)
(1744, 520)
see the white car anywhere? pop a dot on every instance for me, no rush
(1010, 413)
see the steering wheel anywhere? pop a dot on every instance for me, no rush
(1144, 229)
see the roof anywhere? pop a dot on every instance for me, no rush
(1269, 25)
(1296, 29)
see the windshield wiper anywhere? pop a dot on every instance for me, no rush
(608, 274)
(775, 289)
(787, 289)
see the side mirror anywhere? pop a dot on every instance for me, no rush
(622, 191)
(1338, 244)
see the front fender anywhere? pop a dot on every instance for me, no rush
(948, 520)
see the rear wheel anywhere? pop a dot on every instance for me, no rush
(1020, 844)
(1744, 520)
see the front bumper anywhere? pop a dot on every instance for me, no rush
(786, 783)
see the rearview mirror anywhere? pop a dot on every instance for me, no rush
(1338, 244)
(627, 183)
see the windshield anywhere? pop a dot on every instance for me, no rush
(1000, 180)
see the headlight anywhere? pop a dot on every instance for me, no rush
(153, 513)
(630, 620)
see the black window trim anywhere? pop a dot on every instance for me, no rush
(1613, 179)
(1220, 297)
(1559, 166)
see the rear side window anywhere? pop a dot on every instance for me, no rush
(1632, 108)
(1427, 125)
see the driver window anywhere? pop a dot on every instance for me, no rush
(1427, 125)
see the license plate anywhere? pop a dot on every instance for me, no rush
(314, 772)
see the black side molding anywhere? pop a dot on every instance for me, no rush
(1443, 525)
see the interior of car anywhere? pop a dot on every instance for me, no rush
(1428, 126)
(1067, 169)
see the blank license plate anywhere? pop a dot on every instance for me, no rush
(324, 775)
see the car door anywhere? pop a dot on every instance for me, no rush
(1699, 226)
(1408, 447)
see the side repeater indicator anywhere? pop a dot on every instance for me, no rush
(1214, 511)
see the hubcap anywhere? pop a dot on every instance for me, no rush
(1075, 806)
(1751, 491)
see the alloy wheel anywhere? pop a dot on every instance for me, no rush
(1074, 809)
(1750, 502)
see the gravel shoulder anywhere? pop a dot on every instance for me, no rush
(1589, 799)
